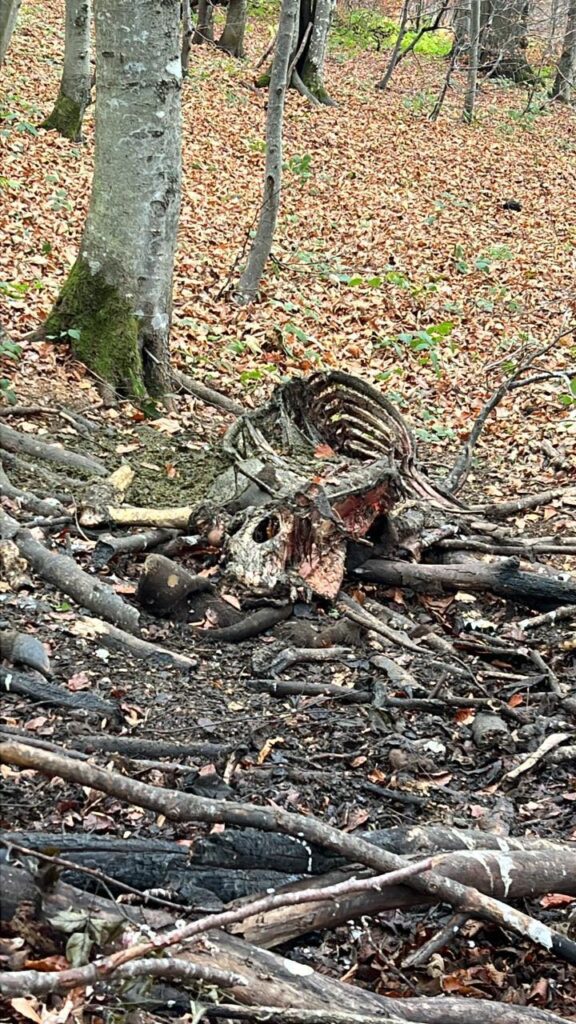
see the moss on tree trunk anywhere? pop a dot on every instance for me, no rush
(313, 81)
(65, 118)
(102, 329)
(263, 80)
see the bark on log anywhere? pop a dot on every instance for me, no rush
(63, 572)
(14, 441)
(152, 865)
(273, 980)
(36, 687)
(116, 639)
(504, 579)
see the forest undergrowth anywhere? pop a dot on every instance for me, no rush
(395, 257)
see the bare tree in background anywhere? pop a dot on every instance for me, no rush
(503, 40)
(204, 31)
(76, 84)
(461, 27)
(565, 82)
(249, 283)
(473, 52)
(232, 38)
(8, 15)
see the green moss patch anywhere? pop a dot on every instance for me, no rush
(66, 118)
(101, 327)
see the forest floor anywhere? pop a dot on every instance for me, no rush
(396, 260)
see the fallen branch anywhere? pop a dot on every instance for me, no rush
(334, 691)
(40, 506)
(109, 547)
(116, 639)
(503, 509)
(14, 441)
(40, 983)
(250, 626)
(14, 982)
(55, 481)
(186, 807)
(562, 614)
(206, 394)
(548, 744)
(278, 982)
(64, 574)
(280, 1015)
(274, 662)
(44, 691)
(503, 578)
(134, 746)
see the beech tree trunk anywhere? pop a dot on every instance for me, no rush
(204, 31)
(565, 81)
(232, 38)
(8, 15)
(250, 281)
(317, 19)
(75, 87)
(116, 304)
(503, 40)
(473, 51)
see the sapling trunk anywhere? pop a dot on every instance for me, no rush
(249, 283)
(473, 51)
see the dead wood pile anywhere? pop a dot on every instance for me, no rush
(323, 507)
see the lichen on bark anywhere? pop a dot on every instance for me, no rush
(105, 329)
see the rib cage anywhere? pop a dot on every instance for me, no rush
(361, 426)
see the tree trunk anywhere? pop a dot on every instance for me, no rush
(204, 31)
(461, 26)
(565, 81)
(250, 281)
(311, 64)
(187, 32)
(232, 38)
(473, 50)
(116, 304)
(8, 14)
(397, 47)
(75, 87)
(503, 40)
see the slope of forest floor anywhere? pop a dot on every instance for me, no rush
(390, 225)
(396, 260)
